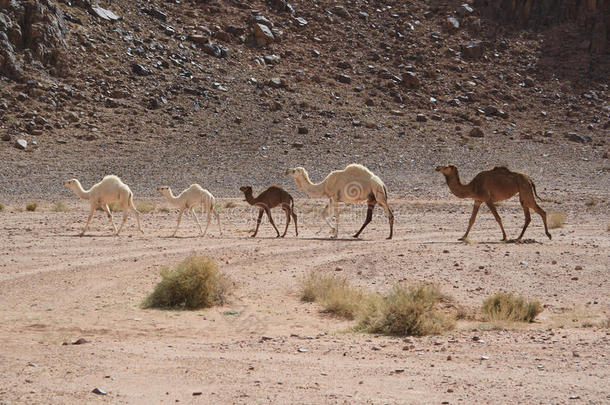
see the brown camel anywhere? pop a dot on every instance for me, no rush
(271, 198)
(491, 186)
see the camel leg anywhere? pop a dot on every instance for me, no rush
(178, 223)
(198, 223)
(369, 215)
(494, 211)
(258, 221)
(207, 224)
(389, 213)
(107, 210)
(135, 211)
(336, 212)
(287, 211)
(294, 217)
(542, 214)
(268, 211)
(88, 221)
(125, 212)
(475, 210)
(327, 214)
(217, 220)
(528, 219)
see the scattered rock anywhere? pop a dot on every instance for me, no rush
(343, 64)
(98, 391)
(421, 118)
(140, 70)
(476, 132)
(529, 82)
(410, 80)
(197, 393)
(103, 13)
(303, 130)
(263, 35)
(80, 341)
(473, 50)
(301, 22)
(153, 12)
(341, 11)
(571, 136)
(548, 134)
(7, 137)
(452, 23)
(342, 78)
(276, 83)
(21, 144)
(302, 350)
(464, 10)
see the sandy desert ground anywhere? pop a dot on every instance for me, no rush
(265, 345)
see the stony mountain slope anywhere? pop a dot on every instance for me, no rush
(230, 92)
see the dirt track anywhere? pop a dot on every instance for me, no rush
(58, 287)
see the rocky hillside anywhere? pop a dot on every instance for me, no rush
(231, 92)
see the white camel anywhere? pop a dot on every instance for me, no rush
(190, 198)
(353, 184)
(107, 191)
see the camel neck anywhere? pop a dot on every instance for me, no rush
(81, 192)
(170, 196)
(312, 189)
(249, 197)
(457, 188)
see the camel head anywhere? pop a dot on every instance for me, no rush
(296, 172)
(163, 189)
(449, 170)
(71, 183)
(247, 190)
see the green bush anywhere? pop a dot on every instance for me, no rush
(194, 283)
(507, 307)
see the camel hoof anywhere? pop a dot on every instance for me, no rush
(549, 235)
(253, 236)
(388, 238)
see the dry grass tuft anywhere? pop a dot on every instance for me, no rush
(591, 202)
(145, 207)
(113, 207)
(194, 283)
(335, 295)
(2, 207)
(31, 206)
(59, 206)
(556, 219)
(408, 311)
(230, 204)
(507, 307)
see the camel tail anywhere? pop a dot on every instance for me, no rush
(536, 194)
(385, 192)
(131, 204)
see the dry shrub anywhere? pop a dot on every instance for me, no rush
(145, 207)
(59, 206)
(194, 283)
(507, 307)
(230, 204)
(113, 207)
(556, 219)
(2, 207)
(408, 311)
(334, 294)
(31, 206)
(591, 202)
(605, 323)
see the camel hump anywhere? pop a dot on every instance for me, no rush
(501, 169)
